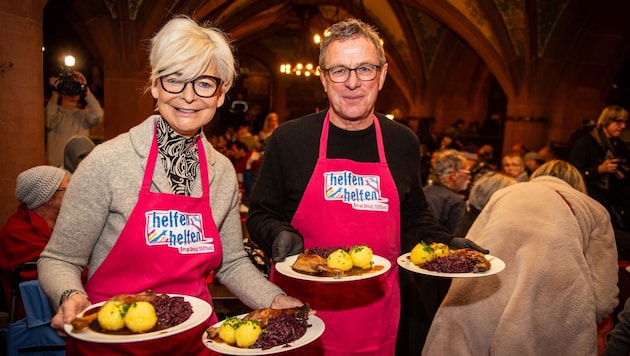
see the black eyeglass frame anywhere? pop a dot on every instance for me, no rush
(376, 67)
(618, 120)
(216, 89)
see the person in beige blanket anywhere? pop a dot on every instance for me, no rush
(560, 278)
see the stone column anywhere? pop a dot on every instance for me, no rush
(528, 130)
(21, 95)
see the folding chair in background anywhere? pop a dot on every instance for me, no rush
(33, 334)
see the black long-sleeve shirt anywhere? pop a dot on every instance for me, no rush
(289, 161)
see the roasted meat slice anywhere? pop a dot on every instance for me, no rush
(309, 263)
(146, 296)
(313, 264)
(481, 262)
(263, 315)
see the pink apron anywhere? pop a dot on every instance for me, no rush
(169, 244)
(351, 203)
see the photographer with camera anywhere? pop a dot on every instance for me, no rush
(65, 117)
(602, 157)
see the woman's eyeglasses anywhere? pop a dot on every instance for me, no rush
(204, 86)
(619, 120)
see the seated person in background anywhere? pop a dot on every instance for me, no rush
(244, 134)
(560, 278)
(512, 165)
(40, 191)
(619, 342)
(452, 176)
(480, 167)
(270, 124)
(520, 149)
(486, 155)
(532, 161)
(246, 162)
(547, 153)
(450, 169)
(480, 193)
(76, 149)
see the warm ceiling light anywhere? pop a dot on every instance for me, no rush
(305, 52)
(69, 61)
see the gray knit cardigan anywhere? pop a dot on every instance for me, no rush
(100, 197)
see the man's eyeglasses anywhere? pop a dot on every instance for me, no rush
(465, 171)
(204, 86)
(619, 120)
(364, 72)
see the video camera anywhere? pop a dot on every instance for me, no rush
(623, 166)
(68, 85)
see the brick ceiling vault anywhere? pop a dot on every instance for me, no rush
(526, 46)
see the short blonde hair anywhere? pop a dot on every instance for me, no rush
(611, 113)
(563, 170)
(188, 47)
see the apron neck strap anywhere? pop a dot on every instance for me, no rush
(152, 158)
(323, 139)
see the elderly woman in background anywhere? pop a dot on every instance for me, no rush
(40, 191)
(479, 196)
(136, 196)
(560, 278)
(75, 151)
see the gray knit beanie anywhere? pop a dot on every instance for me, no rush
(37, 185)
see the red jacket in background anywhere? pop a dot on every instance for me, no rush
(22, 239)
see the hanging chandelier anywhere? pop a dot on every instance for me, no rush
(304, 63)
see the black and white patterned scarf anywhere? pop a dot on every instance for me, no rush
(179, 156)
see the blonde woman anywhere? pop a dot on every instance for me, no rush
(270, 124)
(156, 208)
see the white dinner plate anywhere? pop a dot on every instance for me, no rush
(284, 268)
(496, 266)
(201, 313)
(315, 330)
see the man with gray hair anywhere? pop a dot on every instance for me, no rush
(348, 176)
(452, 176)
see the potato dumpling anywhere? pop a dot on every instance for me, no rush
(227, 330)
(247, 333)
(361, 256)
(339, 259)
(141, 317)
(421, 253)
(440, 249)
(111, 316)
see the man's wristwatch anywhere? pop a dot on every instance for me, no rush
(68, 293)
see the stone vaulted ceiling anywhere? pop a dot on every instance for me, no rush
(529, 48)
